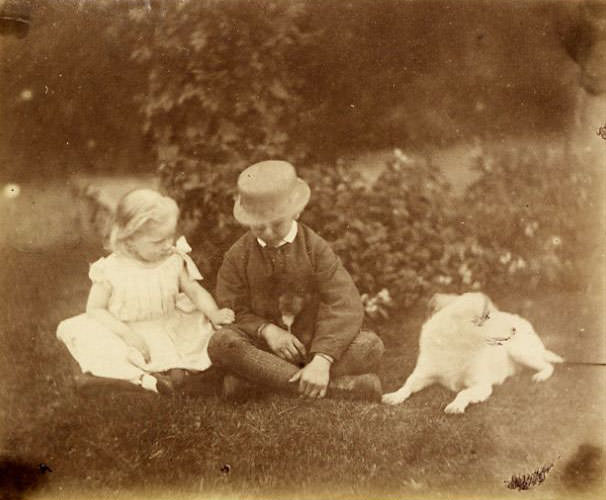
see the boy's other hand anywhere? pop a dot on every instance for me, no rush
(222, 316)
(313, 379)
(284, 344)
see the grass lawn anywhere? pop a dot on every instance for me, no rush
(137, 444)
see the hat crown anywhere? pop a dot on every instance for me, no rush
(266, 181)
(270, 190)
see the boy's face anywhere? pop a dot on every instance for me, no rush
(273, 232)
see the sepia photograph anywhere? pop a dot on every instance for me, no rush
(302, 249)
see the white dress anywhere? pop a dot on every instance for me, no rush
(146, 297)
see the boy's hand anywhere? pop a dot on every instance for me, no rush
(313, 379)
(134, 340)
(284, 344)
(222, 316)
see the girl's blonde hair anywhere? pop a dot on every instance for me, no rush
(135, 210)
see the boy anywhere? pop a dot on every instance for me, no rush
(298, 312)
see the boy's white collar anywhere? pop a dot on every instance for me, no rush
(289, 238)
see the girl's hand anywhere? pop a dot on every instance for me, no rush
(134, 340)
(222, 316)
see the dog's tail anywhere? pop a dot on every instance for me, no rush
(552, 357)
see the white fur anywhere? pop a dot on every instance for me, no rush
(468, 346)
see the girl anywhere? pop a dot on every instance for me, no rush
(138, 327)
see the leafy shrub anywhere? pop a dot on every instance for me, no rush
(67, 92)
(392, 234)
(362, 69)
(528, 220)
(221, 81)
(258, 78)
(523, 223)
(532, 213)
(230, 83)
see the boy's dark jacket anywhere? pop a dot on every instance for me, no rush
(252, 278)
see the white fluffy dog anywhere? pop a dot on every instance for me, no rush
(468, 345)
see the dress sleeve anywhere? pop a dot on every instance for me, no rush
(98, 273)
(182, 248)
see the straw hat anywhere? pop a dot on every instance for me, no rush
(268, 191)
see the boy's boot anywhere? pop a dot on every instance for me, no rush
(206, 383)
(239, 389)
(365, 387)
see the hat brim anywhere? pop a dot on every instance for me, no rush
(298, 201)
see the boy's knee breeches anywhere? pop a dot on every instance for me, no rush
(225, 342)
(363, 354)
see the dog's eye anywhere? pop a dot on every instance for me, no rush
(487, 316)
(513, 330)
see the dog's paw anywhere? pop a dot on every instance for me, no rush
(542, 375)
(455, 408)
(393, 398)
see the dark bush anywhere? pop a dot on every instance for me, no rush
(67, 92)
(258, 78)
(230, 83)
(223, 92)
(222, 83)
(262, 77)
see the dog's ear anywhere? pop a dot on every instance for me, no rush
(439, 301)
(489, 304)
(473, 306)
(487, 310)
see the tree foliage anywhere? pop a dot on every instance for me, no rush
(224, 91)
(68, 91)
(221, 81)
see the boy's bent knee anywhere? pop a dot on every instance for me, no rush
(375, 347)
(224, 342)
(363, 355)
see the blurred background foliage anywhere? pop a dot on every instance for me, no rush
(101, 84)
(196, 90)
(67, 92)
